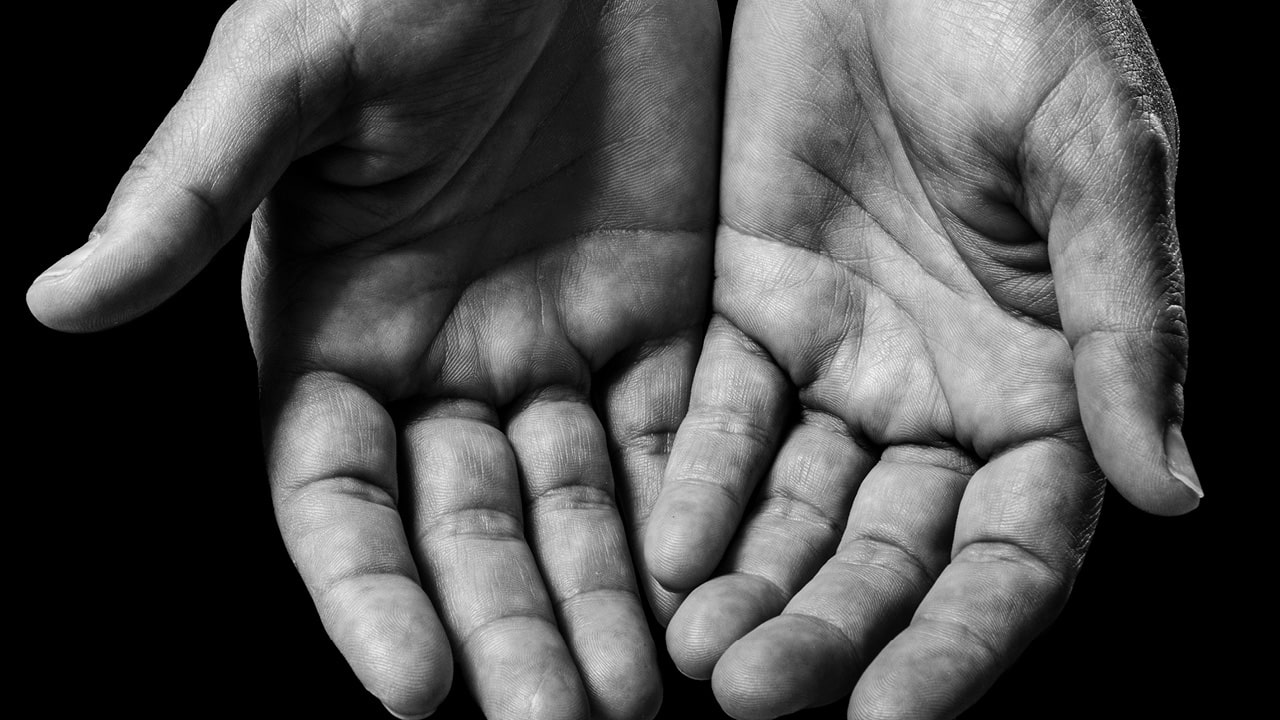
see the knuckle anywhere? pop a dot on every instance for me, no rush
(728, 426)
(891, 555)
(472, 524)
(1042, 580)
(572, 496)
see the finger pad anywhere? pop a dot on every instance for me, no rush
(611, 643)
(717, 614)
(687, 536)
(395, 645)
(785, 665)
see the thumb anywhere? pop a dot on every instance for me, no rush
(1108, 139)
(212, 160)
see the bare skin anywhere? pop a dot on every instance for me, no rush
(947, 292)
(947, 301)
(478, 266)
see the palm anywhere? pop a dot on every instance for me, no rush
(883, 278)
(455, 190)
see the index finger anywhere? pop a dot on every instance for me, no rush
(331, 453)
(1025, 522)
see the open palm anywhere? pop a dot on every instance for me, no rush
(947, 291)
(485, 221)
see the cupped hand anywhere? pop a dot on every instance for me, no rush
(478, 268)
(947, 302)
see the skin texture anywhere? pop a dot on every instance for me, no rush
(478, 269)
(396, 271)
(947, 300)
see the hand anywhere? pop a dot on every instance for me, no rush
(485, 221)
(947, 292)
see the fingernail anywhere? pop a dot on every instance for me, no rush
(1179, 459)
(406, 716)
(69, 263)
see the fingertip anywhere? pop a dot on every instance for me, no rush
(519, 685)
(43, 303)
(646, 706)
(1130, 405)
(790, 663)
(519, 668)
(1161, 482)
(561, 697)
(395, 644)
(615, 655)
(661, 602)
(640, 696)
(694, 658)
(623, 685)
(658, 556)
(117, 275)
(54, 298)
(908, 680)
(685, 539)
(716, 615)
(62, 309)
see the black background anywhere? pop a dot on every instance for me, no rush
(145, 573)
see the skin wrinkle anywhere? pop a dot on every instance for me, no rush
(783, 503)
(478, 521)
(1078, 534)
(812, 416)
(738, 562)
(203, 199)
(321, 385)
(876, 439)
(643, 432)
(345, 26)
(947, 629)
(489, 626)
(860, 205)
(477, 332)
(331, 596)
(857, 202)
(802, 488)
(443, 183)
(993, 548)
(264, 28)
(876, 544)
(856, 273)
(829, 629)
(941, 211)
(363, 490)
(896, 120)
(295, 94)
(573, 496)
